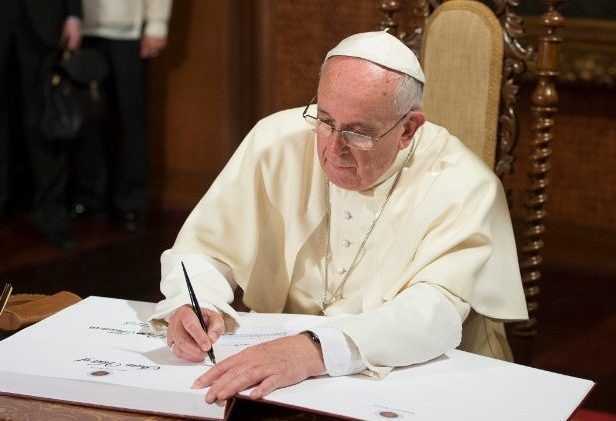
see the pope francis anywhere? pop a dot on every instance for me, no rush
(354, 206)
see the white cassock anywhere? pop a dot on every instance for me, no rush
(443, 248)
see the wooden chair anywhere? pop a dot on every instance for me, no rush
(473, 57)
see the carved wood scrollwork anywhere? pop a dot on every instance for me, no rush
(389, 24)
(514, 65)
(419, 12)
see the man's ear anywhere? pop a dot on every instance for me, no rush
(412, 123)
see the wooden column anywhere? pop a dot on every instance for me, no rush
(545, 100)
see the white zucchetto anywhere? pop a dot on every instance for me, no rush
(382, 48)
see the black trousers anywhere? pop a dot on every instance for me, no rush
(48, 159)
(120, 135)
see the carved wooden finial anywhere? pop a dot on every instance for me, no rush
(552, 19)
(412, 31)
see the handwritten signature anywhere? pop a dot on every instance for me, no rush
(116, 364)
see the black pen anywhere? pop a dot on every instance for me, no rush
(197, 310)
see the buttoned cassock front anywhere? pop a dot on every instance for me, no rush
(262, 223)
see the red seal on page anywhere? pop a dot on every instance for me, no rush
(99, 373)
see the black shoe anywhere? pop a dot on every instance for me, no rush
(132, 221)
(80, 211)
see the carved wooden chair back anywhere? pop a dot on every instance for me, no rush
(473, 57)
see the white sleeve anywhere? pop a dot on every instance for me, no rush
(341, 356)
(212, 282)
(157, 14)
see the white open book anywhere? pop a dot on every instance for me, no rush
(101, 352)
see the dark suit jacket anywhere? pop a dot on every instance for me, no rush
(47, 17)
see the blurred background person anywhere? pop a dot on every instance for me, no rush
(30, 31)
(129, 32)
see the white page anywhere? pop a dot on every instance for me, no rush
(459, 386)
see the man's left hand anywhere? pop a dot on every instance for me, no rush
(268, 366)
(71, 34)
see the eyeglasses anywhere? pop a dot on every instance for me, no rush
(352, 139)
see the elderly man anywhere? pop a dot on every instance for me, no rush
(366, 211)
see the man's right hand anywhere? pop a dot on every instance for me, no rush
(186, 337)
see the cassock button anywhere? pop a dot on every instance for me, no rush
(347, 215)
(340, 270)
(346, 243)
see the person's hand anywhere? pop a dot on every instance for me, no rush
(269, 366)
(186, 337)
(151, 46)
(71, 34)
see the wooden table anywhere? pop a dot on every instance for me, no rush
(20, 408)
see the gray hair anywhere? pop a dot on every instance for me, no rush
(407, 95)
